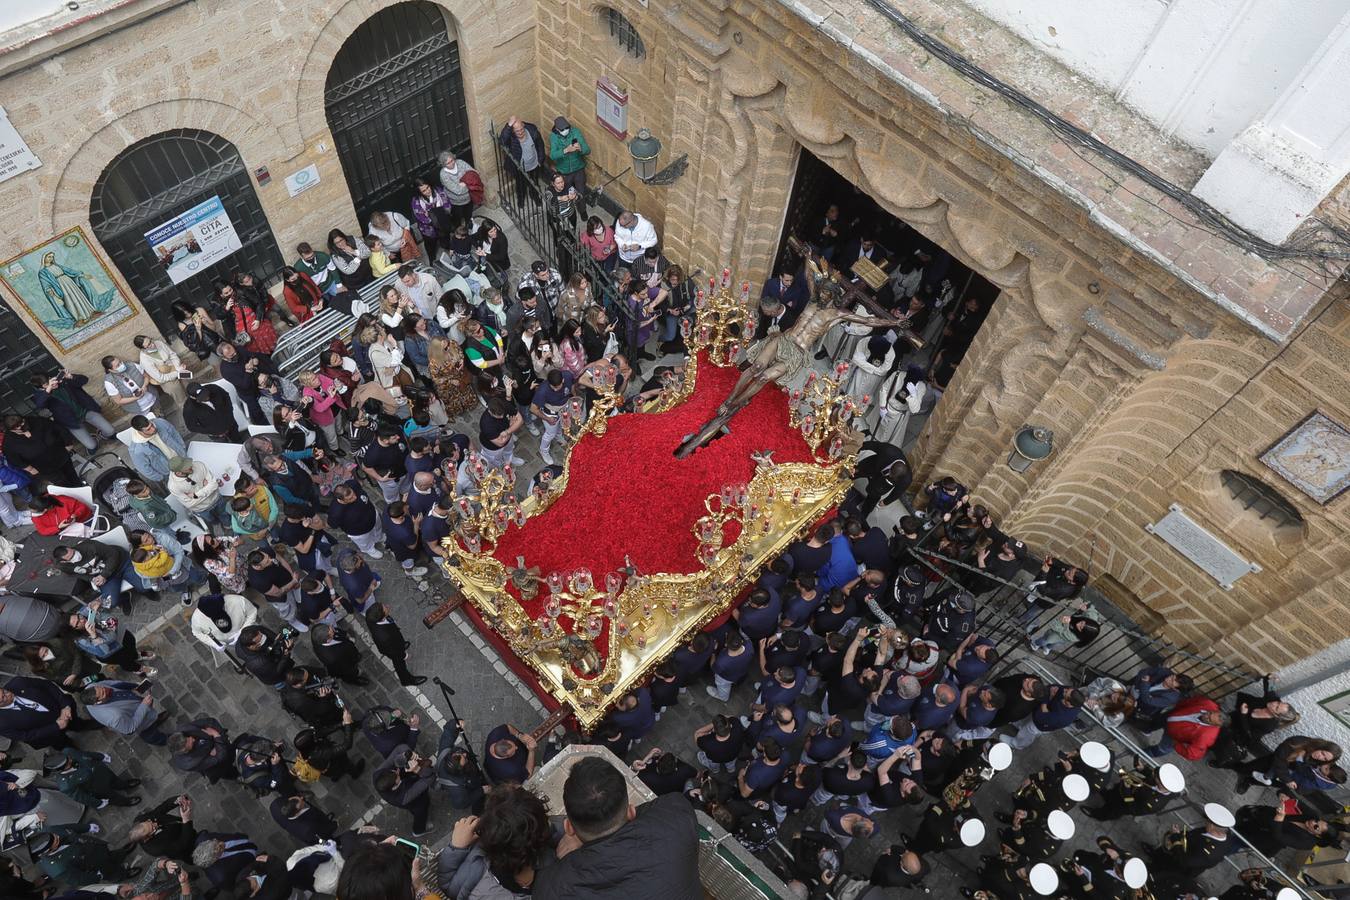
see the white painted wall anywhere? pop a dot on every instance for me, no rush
(1203, 70)
(1099, 38)
(1316, 678)
(14, 13)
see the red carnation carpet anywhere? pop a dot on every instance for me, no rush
(627, 494)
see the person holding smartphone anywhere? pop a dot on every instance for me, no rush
(568, 149)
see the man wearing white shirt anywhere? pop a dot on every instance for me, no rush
(633, 234)
(421, 288)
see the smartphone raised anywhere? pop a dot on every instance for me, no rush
(142, 687)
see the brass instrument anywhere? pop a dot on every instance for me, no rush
(964, 785)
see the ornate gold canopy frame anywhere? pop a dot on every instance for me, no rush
(649, 615)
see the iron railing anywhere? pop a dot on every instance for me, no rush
(527, 202)
(1007, 615)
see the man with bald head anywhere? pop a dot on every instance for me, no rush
(423, 494)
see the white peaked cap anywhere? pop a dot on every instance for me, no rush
(1170, 777)
(1000, 756)
(1219, 815)
(1044, 881)
(1076, 787)
(1095, 754)
(1136, 873)
(1060, 824)
(972, 832)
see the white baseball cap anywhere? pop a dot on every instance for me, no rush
(972, 832)
(1075, 787)
(1171, 779)
(1219, 815)
(1136, 873)
(1095, 754)
(1000, 756)
(1044, 881)
(1060, 824)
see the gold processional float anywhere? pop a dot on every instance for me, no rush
(648, 615)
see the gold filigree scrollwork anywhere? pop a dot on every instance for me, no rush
(824, 414)
(719, 326)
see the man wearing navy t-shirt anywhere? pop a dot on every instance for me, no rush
(549, 400)
(730, 666)
(352, 512)
(758, 615)
(763, 772)
(508, 755)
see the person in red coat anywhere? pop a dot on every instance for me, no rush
(301, 294)
(1191, 729)
(53, 514)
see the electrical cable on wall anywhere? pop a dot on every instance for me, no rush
(1316, 240)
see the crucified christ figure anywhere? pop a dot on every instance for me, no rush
(780, 356)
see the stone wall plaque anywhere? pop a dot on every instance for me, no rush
(1195, 543)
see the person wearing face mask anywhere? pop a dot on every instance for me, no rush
(491, 312)
(598, 239)
(568, 149)
(127, 386)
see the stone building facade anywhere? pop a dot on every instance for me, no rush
(1159, 352)
(1159, 355)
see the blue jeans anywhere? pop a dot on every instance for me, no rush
(111, 592)
(1162, 748)
(670, 327)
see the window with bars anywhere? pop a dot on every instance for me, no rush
(1259, 498)
(623, 33)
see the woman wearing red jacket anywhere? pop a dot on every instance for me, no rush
(1191, 728)
(302, 295)
(54, 514)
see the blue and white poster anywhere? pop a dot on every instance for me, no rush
(195, 240)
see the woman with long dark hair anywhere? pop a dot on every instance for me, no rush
(431, 211)
(351, 258)
(302, 295)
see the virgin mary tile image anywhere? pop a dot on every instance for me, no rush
(66, 288)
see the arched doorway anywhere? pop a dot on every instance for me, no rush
(160, 177)
(394, 98)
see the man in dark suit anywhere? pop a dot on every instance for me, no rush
(306, 823)
(203, 746)
(317, 706)
(265, 879)
(888, 477)
(70, 854)
(389, 640)
(166, 830)
(208, 410)
(223, 857)
(403, 780)
(338, 654)
(37, 712)
(265, 656)
(387, 728)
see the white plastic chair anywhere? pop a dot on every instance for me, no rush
(100, 523)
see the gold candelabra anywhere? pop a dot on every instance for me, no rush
(823, 413)
(720, 323)
(486, 517)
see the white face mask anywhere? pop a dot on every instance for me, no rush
(565, 132)
(75, 556)
(46, 654)
(120, 367)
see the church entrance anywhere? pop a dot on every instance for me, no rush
(394, 99)
(947, 301)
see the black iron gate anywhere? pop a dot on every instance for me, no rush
(22, 355)
(154, 180)
(394, 99)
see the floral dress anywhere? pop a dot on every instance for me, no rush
(230, 582)
(261, 331)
